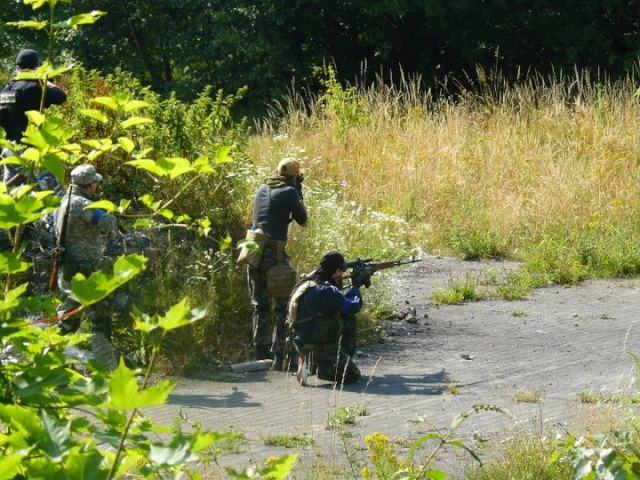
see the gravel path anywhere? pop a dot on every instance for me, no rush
(556, 344)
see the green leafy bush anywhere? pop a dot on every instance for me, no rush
(62, 417)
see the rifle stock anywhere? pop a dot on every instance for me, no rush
(60, 243)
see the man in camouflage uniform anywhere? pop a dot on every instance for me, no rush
(80, 231)
(277, 203)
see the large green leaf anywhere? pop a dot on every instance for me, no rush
(108, 102)
(178, 453)
(29, 24)
(10, 465)
(94, 113)
(58, 435)
(126, 144)
(175, 166)
(54, 164)
(178, 316)
(85, 463)
(12, 297)
(171, 167)
(134, 105)
(84, 19)
(148, 165)
(223, 155)
(25, 424)
(135, 121)
(125, 394)
(26, 210)
(11, 262)
(100, 284)
(105, 205)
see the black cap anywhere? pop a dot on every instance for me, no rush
(28, 58)
(332, 261)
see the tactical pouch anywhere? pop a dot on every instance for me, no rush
(251, 255)
(280, 280)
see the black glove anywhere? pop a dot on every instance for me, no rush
(360, 279)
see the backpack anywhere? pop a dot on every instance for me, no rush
(323, 330)
(294, 303)
(9, 97)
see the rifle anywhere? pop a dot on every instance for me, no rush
(365, 267)
(58, 252)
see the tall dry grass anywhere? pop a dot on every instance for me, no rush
(508, 166)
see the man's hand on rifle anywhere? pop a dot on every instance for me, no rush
(361, 279)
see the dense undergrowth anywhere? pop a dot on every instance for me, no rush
(544, 172)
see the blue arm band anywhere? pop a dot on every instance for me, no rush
(346, 306)
(97, 215)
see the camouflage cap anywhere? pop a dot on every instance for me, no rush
(83, 175)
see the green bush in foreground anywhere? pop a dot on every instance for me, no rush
(61, 418)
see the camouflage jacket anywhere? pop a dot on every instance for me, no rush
(82, 240)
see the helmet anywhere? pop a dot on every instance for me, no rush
(28, 59)
(333, 261)
(288, 167)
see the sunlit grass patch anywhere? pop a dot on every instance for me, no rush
(528, 396)
(523, 452)
(458, 291)
(234, 441)
(345, 416)
(453, 388)
(600, 397)
(287, 440)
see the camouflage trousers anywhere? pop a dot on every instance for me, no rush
(269, 314)
(334, 361)
(100, 314)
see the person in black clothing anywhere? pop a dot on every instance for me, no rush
(322, 321)
(18, 97)
(277, 203)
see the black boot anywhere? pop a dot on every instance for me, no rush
(278, 362)
(284, 363)
(263, 352)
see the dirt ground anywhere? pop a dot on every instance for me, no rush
(556, 345)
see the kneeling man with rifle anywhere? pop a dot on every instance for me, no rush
(322, 321)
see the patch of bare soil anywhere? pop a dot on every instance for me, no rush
(555, 346)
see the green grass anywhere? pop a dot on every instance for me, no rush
(528, 396)
(288, 440)
(345, 416)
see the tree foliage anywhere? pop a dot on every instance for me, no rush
(270, 45)
(64, 418)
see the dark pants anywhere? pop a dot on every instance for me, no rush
(334, 361)
(269, 314)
